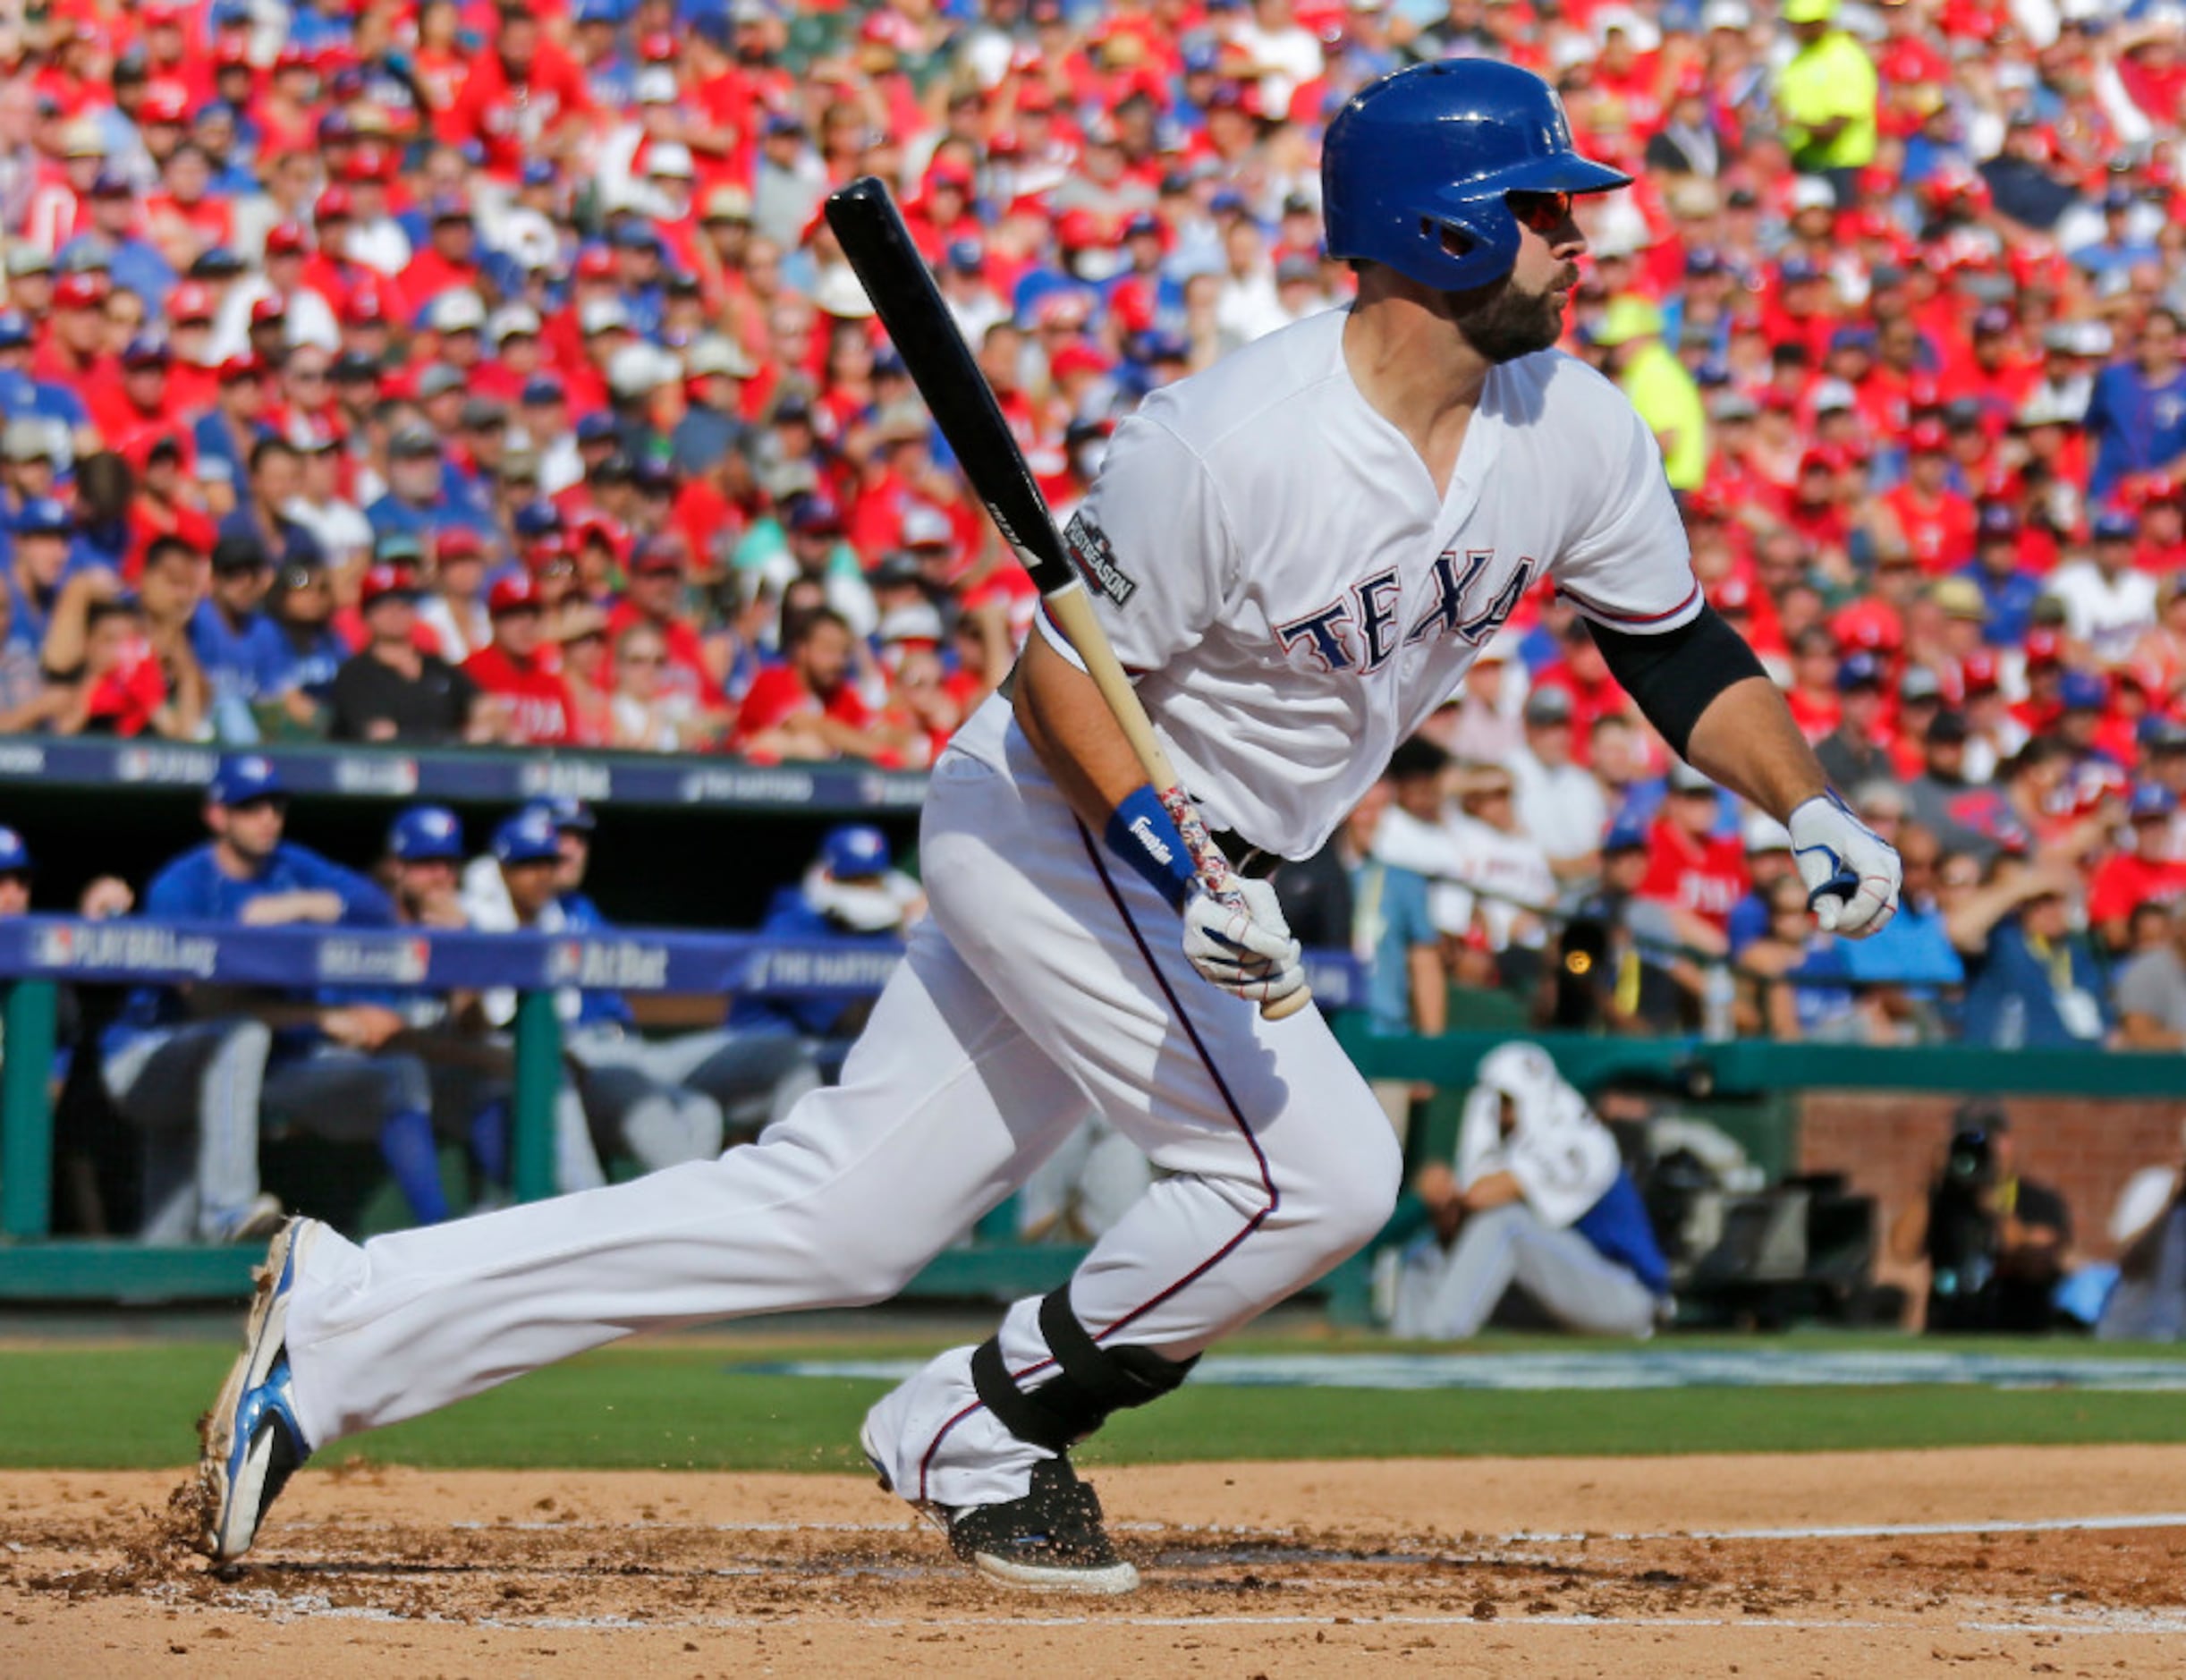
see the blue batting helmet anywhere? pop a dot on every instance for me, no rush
(426, 833)
(1415, 167)
(855, 851)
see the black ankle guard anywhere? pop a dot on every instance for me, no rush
(1091, 1380)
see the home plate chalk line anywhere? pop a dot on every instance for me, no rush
(1523, 1537)
(2093, 1623)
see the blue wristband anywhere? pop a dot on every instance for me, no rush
(1141, 834)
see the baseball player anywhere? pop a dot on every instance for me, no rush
(1540, 1199)
(1300, 550)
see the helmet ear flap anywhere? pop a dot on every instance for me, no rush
(1454, 241)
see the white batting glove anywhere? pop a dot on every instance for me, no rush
(1853, 874)
(1243, 946)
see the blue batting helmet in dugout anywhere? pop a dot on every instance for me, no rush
(1416, 169)
(426, 833)
(855, 851)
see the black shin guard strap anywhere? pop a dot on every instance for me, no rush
(1091, 1380)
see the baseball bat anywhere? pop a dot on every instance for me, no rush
(870, 230)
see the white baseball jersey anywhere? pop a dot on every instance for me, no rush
(1271, 552)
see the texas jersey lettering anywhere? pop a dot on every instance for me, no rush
(1294, 626)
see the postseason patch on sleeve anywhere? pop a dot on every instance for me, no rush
(1090, 553)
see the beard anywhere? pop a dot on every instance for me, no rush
(1505, 321)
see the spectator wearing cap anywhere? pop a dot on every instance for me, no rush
(2109, 605)
(513, 334)
(2136, 414)
(419, 497)
(113, 230)
(390, 690)
(2145, 871)
(1854, 752)
(453, 610)
(1693, 869)
(245, 658)
(1933, 519)
(1769, 860)
(447, 263)
(274, 480)
(2032, 983)
(1630, 337)
(237, 420)
(1905, 970)
(1944, 798)
(75, 352)
(38, 533)
(140, 405)
(659, 569)
(814, 548)
(2009, 592)
(31, 451)
(2108, 258)
(334, 523)
(513, 669)
(280, 293)
(712, 425)
(1558, 802)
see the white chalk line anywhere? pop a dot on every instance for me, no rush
(1522, 1536)
(2102, 1624)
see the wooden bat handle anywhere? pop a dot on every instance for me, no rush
(1072, 611)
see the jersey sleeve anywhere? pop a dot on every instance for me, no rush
(174, 895)
(363, 904)
(1629, 568)
(1152, 546)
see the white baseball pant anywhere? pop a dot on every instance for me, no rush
(1047, 981)
(1449, 1294)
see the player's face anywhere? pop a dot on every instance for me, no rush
(532, 886)
(254, 827)
(1523, 312)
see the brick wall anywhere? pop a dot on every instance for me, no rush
(1887, 1145)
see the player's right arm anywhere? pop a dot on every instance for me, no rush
(1078, 740)
(1152, 547)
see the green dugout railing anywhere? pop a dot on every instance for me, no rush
(34, 1267)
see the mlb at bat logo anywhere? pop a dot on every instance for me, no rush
(606, 964)
(1089, 550)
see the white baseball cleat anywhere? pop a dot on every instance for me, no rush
(251, 1442)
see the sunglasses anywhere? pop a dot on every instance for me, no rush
(1543, 212)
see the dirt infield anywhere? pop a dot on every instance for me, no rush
(2064, 1561)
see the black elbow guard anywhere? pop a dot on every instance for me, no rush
(1675, 676)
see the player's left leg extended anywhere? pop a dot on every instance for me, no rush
(839, 1204)
(1278, 1164)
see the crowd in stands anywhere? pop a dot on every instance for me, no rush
(445, 372)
